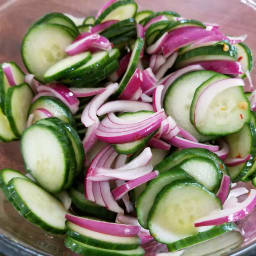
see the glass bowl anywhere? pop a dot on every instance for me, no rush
(17, 236)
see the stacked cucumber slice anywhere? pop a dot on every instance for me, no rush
(178, 127)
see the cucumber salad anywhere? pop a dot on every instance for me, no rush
(136, 127)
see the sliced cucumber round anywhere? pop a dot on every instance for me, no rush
(244, 57)
(35, 204)
(84, 28)
(5, 176)
(94, 65)
(146, 200)
(55, 106)
(48, 156)
(176, 208)
(217, 51)
(120, 10)
(179, 96)
(88, 207)
(133, 147)
(203, 237)
(97, 239)
(158, 155)
(132, 65)
(227, 112)
(241, 144)
(85, 249)
(60, 19)
(17, 103)
(43, 46)
(177, 158)
(142, 15)
(63, 67)
(6, 132)
(18, 75)
(170, 15)
(90, 20)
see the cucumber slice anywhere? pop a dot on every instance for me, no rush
(63, 67)
(244, 56)
(179, 157)
(119, 28)
(43, 46)
(157, 26)
(132, 65)
(90, 20)
(179, 96)
(124, 39)
(90, 208)
(35, 204)
(222, 244)
(4, 84)
(5, 176)
(133, 147)
(94, 65)
(241, 144)
(218, 51)
(114, 54)
(204, 237)
(85, 249)
(84, 28)
(203, 171)
(59, 19)
(48, 156)
(97, 239)
(142, 15)
(224, 114)
(158, 155)
(6, 133)
(170, 15)
(120, 10)
(17, 103)
(176, 208)
(73, 137)
(55, 106)
(146, 200)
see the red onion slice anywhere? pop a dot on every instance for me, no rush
(210, 92)
(40, 94)
(145, 98)
(7, 69)
(160, 144)
(163, 129)
(86, 92)
(181, 37)
(123, 64)
(149, 80)
(157, 46)
(123, 106)
(88, 42)
(88, 185)
(167, 65)
(236, 192)
(250, 87)
(157, 96)
(232, 214)
(90, 137)
(222, 66)
(224, 188)
(89, 116)
(102, 26)
(108, 135)
(152, 61)
(137, 94)
(133, 85)
(236, 161)
(102, 174)
(120, 191)
(160, 60)
(183, 143)
(224, 150)
(104, 227)
(63, 93)
(186, 135)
